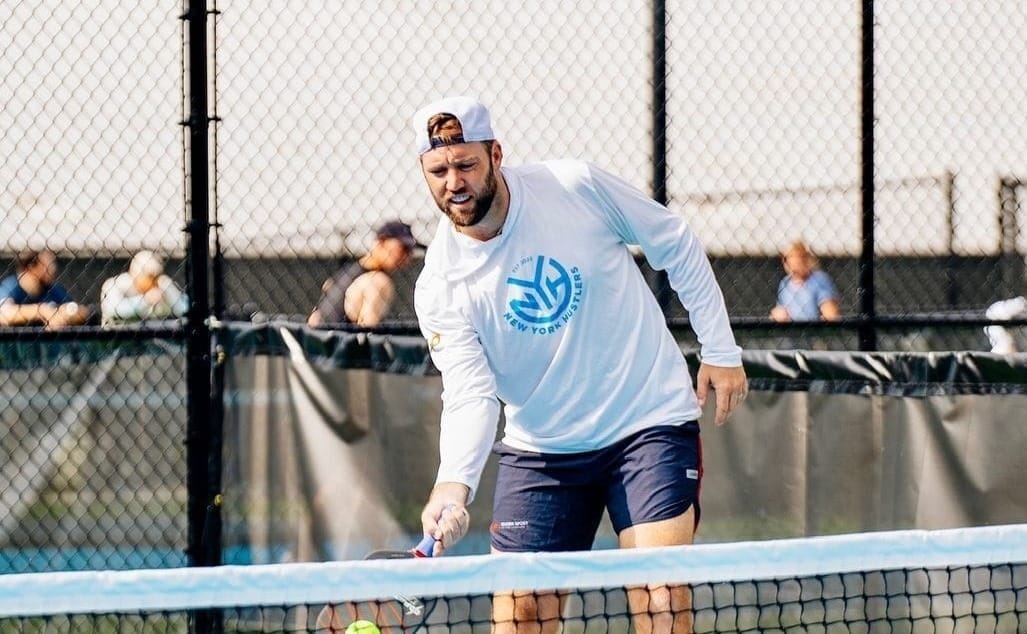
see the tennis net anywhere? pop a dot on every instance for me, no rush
(960, 580)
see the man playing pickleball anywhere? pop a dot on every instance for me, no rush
(530, 297)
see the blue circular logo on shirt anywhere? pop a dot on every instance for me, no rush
(545, 294)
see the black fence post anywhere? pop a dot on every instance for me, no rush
(203, 463)
(1009, 234)
(951, 261)
(867, 309)
(664, 293)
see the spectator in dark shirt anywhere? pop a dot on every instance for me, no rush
(33, 297)
(361, 293)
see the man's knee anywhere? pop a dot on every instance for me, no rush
(675, 531)
(654, 600)
(659, 600)
(525, 611)
(661, 608)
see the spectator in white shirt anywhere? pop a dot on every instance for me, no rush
(144, 293)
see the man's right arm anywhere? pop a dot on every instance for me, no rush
(470, 408)
(12, 314)
(780, 313)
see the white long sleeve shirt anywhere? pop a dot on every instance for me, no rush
(121, 302)
(553, 318)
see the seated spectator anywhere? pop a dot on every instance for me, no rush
(1002, 341)
(806, 293)
(361, 293)
(32, 297)
(144, 293)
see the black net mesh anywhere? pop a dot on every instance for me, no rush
(977, 599)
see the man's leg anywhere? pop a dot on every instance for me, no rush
(542, 503)
(527, 612)
(655, 608)
(653, 501)
(660, 608)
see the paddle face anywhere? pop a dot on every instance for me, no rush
(394, 614)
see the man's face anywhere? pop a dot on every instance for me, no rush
(45, 268)
(462, 180)
(797, 264)
(144, 282)
(394, 254)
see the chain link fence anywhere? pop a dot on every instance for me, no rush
(762, 132)
(312, 147)
(748, 124)
(91, 160)
(94, 467)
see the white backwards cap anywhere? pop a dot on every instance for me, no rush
(473, 117)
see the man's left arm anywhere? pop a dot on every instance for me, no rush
(671, 246)
(827, 297)
(69, 312)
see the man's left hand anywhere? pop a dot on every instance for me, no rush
(730, 385)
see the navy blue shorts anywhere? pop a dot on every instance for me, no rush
(554, 502)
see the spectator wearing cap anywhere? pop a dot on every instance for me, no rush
(361, 292)
(32, 296)
(144, 293)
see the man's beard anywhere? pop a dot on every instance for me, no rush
(482, 204)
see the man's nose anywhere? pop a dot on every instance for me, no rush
(454, 181)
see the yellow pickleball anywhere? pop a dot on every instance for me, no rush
(362, 627)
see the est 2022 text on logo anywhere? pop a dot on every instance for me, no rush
(544, 294)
